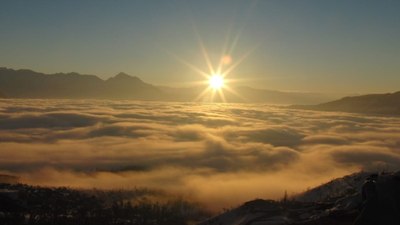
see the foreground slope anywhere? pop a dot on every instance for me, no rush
(337, 202)
(27, 205)
(388, 104)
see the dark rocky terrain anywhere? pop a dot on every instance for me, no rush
(338, 202)
(23, 204)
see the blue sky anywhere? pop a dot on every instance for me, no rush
(325, 46)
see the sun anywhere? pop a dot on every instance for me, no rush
(217, 72)
(216, 81)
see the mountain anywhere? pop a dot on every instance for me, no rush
(336, 202)
(2, 95)
(388, 104)
(243, 94)
(125, 86)
(30, 84)
(279, 97)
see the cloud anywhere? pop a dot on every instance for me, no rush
(324, 139)
(369, 157)
(276, 135)
(203, 151)
(47, 120)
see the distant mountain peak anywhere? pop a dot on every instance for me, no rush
(122, 74)
(125, 77)
(30, 84)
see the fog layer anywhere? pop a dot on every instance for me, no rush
(218, 154)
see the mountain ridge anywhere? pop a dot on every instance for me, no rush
(24, 83)
(384, 104)
(31, 84)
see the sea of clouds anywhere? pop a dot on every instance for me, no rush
(218, 154)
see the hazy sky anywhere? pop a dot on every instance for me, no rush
(333, 46)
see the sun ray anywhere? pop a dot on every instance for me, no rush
(221, 95)
(241, 59)
(191, 66)
(241, 29)
(224, 51)
(235, 93)
(212, 95)
(225, 65)
(201, 95)
(204, 50)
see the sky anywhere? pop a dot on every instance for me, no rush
(310, 45)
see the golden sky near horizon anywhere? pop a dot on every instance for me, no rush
(311, 46)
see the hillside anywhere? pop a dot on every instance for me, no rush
(388, 104)
(336, 202)
(25, 205)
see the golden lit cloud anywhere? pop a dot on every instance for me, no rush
(257, 151)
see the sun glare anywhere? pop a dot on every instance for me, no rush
(216, 81)
(217, 72)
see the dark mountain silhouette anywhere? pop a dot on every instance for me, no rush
(388, 104)
(31, 84)
(125, 86)
(2, 95)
